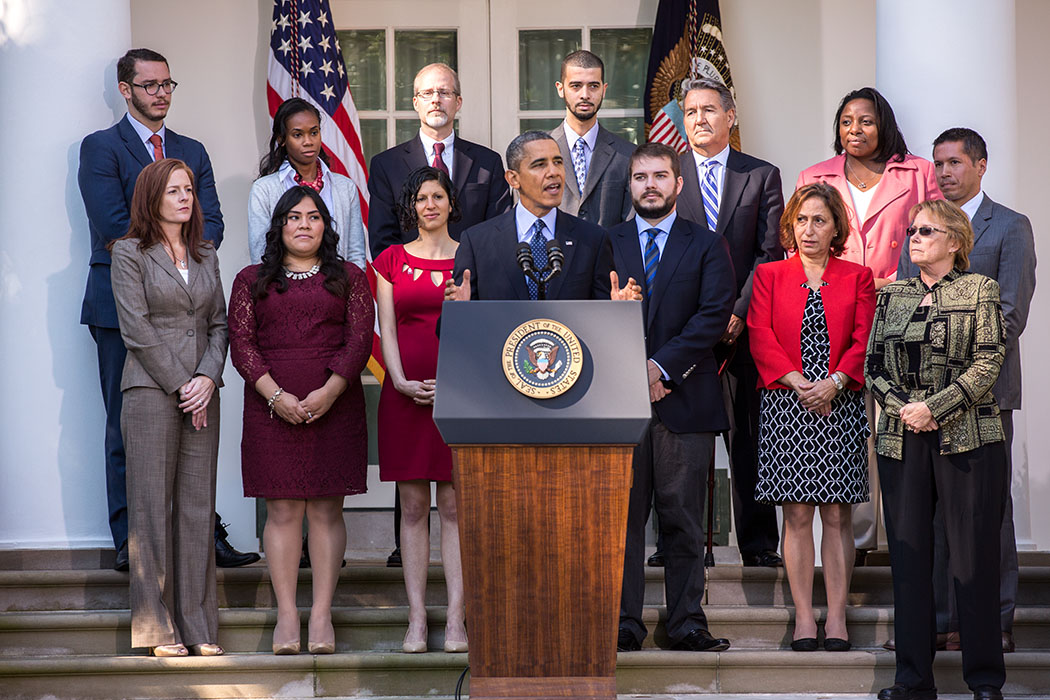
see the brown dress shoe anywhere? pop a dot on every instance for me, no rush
(942, 640)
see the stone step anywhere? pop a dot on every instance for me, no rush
(383, 675)
(383, 629)
(364, 584)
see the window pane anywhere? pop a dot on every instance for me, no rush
(412, 51)
(373, 137)
(541, 124)
(540, 52)
(365, 55)
(625, 53)
(630, 128)
(405, 129)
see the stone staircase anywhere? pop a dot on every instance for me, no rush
(64, 633)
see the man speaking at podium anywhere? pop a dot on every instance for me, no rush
(493, 256)
(689, 293)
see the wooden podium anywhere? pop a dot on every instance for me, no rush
(542, 489)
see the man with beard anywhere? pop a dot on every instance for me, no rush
(690, 288)
(476, 172)
(596, 185)
(110, 163)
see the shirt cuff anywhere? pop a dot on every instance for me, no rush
(667, 377)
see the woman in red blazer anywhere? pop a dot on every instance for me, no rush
(809, 321)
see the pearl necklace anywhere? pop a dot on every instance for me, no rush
(302, 275)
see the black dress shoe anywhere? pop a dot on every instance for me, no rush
(656, 559)
(804, 644)
(121, 562)
(903, 692)
(700, 640)
(625, 641)
(987, 692)
(225, 555)
(836, 644)
(767, 558)
(304, 558)
(394, 560)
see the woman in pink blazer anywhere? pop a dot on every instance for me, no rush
(809, 321)
(877, 178)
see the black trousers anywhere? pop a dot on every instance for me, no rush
(111, 354)
(969, 487)
(672, 467)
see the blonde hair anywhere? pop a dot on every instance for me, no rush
(954, 221)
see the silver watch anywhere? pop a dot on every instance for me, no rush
(838, 382)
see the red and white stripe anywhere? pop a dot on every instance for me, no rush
(666, 132)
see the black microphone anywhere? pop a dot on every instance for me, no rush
(523, 254)
(555, 256)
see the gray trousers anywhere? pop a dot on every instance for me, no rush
(171, 509)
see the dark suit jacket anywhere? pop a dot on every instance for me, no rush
(606, 196)
(748, 218)
(692, 300)
(487, 250)
(110, 162)
(477, 173)
(1003, 249)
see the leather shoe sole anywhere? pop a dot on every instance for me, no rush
(900, 692)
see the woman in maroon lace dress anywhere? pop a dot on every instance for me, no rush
(410, 288)
(301, 327)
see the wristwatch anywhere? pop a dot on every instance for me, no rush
(838, 382)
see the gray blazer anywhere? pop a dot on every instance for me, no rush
(173, 330)
(346, 215)
(606, 196)
(1003, 249)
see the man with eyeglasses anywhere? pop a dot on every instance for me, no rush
(110, 163)
(476, 172)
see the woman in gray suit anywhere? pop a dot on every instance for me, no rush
(172, 317)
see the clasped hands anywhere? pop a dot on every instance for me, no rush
(308, 410)
(422, 393)
(194, 397)
(632, 291)
(917, 417)
(814, 396)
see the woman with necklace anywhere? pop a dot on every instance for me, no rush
(809, 321)
(301, 326)
(172, 315)
(297, 158)
(410, 289)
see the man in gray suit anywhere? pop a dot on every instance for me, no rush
(1003, 249)
(596, 188)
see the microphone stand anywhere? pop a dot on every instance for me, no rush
(543, 276)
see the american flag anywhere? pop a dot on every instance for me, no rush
(305, 61)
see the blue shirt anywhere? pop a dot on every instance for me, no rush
(144, 134)
(525, 219)
(661, 241)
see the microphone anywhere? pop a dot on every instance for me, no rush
(555, 256)
(523, 254)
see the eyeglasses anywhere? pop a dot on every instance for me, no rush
(923, 231)
(429, 94)
(153, 88)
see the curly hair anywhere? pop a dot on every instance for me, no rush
(832, 199)
(891, 141)
(406, 201)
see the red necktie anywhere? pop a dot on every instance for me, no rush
(439, 162)
(158, 147)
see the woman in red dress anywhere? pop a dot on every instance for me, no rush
(301, 326)
(411, 283)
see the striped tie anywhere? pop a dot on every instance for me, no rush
(709, 190)
(538, 244)
(652, 259)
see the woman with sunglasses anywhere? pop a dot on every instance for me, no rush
(935, 350)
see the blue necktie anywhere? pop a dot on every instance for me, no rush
(709, 190)
(538, 244)
(652, 260)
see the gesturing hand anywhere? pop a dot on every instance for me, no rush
(632, 291)
(458, 293)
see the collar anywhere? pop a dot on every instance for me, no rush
(953, 275)
(971, 207)
(286, 173)
(590, 138)
(144, 131)
(524, 219)
(428, 143)
(722, 157)
(664, 226)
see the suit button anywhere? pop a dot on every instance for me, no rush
(189, 312)
(893, 244)
(190, 333)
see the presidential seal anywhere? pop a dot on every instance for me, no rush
(542, 358)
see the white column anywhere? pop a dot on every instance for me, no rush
(945, 63)
(57, 84)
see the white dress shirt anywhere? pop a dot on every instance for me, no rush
(144, 134)
(971, 207)
(722, 157)
(446, 155)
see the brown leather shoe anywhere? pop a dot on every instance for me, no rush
(942, 640)
(952, 643)
(1008, 643)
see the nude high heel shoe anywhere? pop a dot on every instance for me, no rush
(169, 650)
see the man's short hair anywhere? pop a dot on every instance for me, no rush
(656, 150)
(973, 145)
(430, 66)
(582, 59)
(126, 64)
(516, 149)
(724, 94)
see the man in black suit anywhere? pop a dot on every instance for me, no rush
(486, 264)
(690, 289)
(739, 198)
(475, 171)
(596, 159)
